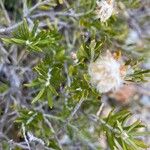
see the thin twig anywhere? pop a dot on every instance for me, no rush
(100, 110)
(95, 118)
(52, 129)
(24, 134)
(12, 27)
(11, 142)
(75, 110)
(5, 12)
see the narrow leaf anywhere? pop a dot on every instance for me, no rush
(49, 98)
(38, 96)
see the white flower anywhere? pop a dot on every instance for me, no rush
(104, 9)
(105, 73)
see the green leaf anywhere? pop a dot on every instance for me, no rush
(82, 53)
(25, 29)
(142, 72)
(60, 55)
(35, 48)
(49, 98)
(140, 143)
(123, 145)
(6, 40)
(52, 89)
(22, 32)
(110, 139)
(36, 23)
(39, 95)
(134, 126)
(132, 144)
(18, 41)
(117, 144)
(32, 84)
(53, 145)
(72, 70)
(146, 133)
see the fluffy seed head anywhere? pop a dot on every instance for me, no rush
(104, 9)
(105, 73)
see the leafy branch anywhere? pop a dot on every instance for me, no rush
(119, 134)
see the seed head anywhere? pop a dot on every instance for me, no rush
(105, 73)
(104, 9)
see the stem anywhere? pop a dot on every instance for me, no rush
(24, 134)
(12, 27)
(101, 121)
(75, 110)
(5, 12)
(56, 138)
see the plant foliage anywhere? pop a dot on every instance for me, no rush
(61, 98)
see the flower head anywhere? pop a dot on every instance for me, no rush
(74, 57)
(105, 73)
(104, 9)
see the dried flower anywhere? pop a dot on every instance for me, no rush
(104, 9)
(74, 57)
(106, 73)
